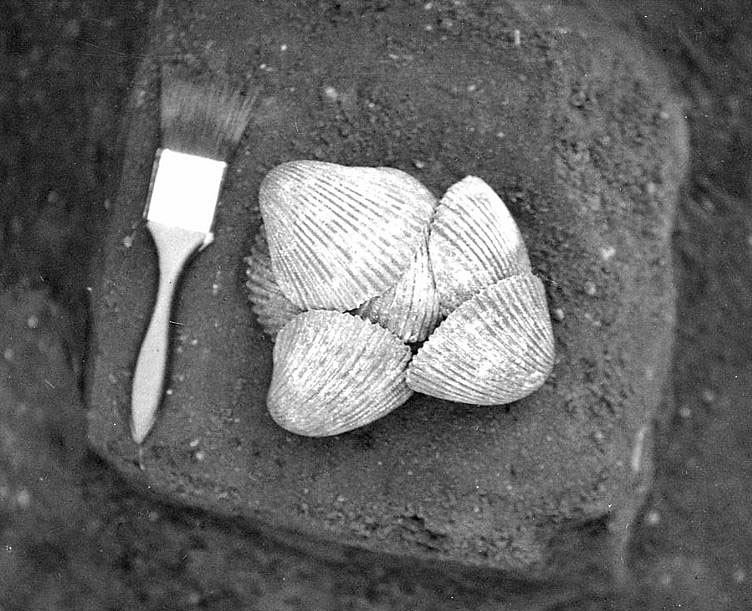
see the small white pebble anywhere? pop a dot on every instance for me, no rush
(32, 322)
(607, 253)
(168, 391)
(685, 412)
(200, 455)
(23, 498)
(500, 135)
(9, 354)
(739, 575)
(708, 396)
(558, 314)
(283, 47)
(215, 289)
(517, 38)
(472, 87)
(419, 164)
(428, 6)
(429, 28)
(590, 288)
(651, 188)
(194, 342)
(664, 116)
(592, 319)
(194, 443)
(331, 93)
(128, 241)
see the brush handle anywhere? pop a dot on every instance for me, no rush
(174, 247)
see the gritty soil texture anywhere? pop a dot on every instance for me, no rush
(75, 536)
(483, 485)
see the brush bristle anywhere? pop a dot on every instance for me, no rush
(202, 117)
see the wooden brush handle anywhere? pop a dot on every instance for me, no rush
(174, 247)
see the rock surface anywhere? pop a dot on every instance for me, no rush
(583, 146)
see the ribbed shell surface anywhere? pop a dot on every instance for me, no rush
(474, 242)
(335, 372)
(339, 235)
(495, 348)
(273, 310)
(410, 309)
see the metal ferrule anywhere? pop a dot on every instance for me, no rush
(184, 191)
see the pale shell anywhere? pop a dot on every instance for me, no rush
(410, 309)
(335, 372)
(474, 242)
(495, 348)
(339, 235)
(273, 310)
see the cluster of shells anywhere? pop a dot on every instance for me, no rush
(354, 269)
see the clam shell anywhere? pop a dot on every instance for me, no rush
(495, 348)
(474, 242)
(410, 309)
(335, 372)
(273, 310)
(338, 235)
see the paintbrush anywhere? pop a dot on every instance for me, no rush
(201, 124)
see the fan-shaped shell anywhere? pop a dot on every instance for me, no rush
(338, 235)
(273, 310)
(474, 242)
(495, 348)
(335, 372)
(410, 309)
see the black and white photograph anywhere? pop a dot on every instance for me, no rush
(375, 305)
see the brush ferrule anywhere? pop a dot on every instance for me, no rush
(184, 190)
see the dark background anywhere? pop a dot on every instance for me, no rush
(73, 536)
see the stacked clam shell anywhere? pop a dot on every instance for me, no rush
(352, 266)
